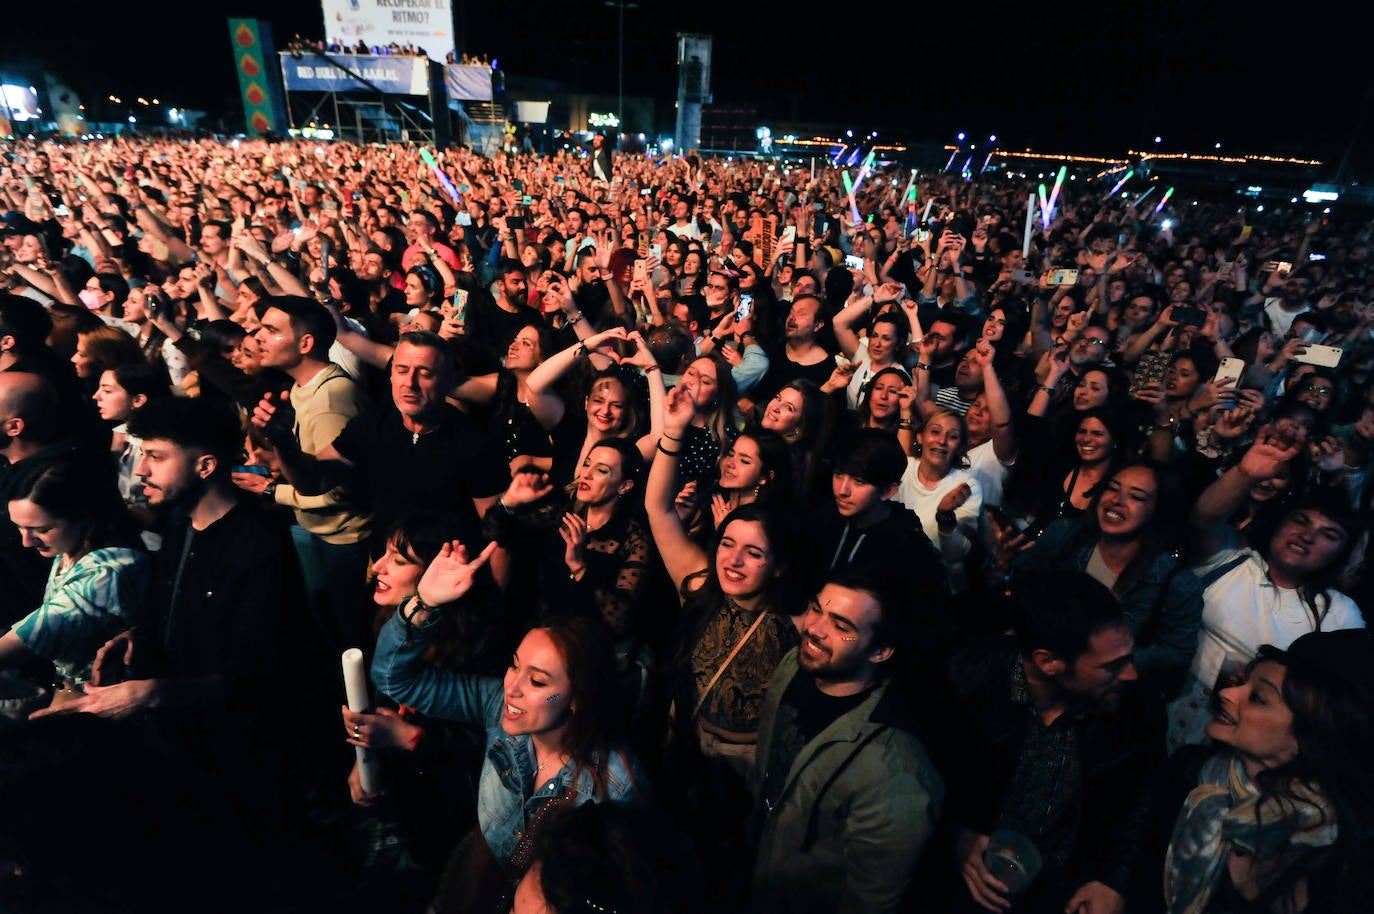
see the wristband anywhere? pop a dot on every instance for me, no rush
(650, 369)
(1046, 388)
(923, 366)
(573, 320)
(945, 519)
(664, 450)
(907, 424)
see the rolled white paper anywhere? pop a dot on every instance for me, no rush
(355, 686)
(925, 217)
(1030, 221)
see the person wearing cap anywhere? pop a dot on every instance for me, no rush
(1268, 595)
(1282, 819)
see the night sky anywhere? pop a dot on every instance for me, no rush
(1070, 75)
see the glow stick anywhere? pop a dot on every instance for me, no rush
(1120, 184)
(986, 162)
(1167, 194)
(965, 171)
(813, 168)
(355, 687)
(951, 159)
(849, 189)
(444, 181)
(836, 160)
(925, 217)
(1058, 183)
(1141, 198)
(1044, 207)
(1030, 222)
(868, 166)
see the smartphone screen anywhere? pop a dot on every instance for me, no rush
(854, 261)
(746, 307)
(460, 305)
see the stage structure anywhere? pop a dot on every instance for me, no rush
(693, 88)
(367, 99)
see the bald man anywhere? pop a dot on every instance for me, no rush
(28, 441)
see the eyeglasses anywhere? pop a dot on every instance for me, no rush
(1092, 341)
(719, 287)
(1317, 390)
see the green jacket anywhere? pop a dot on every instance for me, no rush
(860, 801)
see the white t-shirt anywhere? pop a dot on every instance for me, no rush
(924, 500)
(861, 375)
(1242, 610)
(991, 474)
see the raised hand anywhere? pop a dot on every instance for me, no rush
(275, 416)
(451, 574)
(526, 487)
(1268, 456)
(574, 533)
(678, 411)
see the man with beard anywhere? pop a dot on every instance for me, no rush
(800, 357)
(193, 699)
(1040, 734)
(375, 271)
(849, 794)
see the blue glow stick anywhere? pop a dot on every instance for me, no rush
(849, 189)
(444, 181)
(1163, 202)
(1120, 184)
(1141, 198)
(951, 160)
(1058, 183)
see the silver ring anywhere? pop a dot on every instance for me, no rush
(356, 731)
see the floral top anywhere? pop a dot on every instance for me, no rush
(85, 604)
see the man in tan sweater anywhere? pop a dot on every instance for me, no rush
(330, 532)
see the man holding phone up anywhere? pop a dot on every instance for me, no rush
(732, 333)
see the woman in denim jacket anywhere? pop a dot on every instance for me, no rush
(545, 722)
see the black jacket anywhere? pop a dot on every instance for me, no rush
(978, 745)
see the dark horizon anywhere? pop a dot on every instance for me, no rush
(1081, 78)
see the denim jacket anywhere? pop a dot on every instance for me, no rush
(506, 798)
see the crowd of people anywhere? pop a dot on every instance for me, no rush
(716, 537)
(299, 45)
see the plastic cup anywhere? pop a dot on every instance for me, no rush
(1012, 859)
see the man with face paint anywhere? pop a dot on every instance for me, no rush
(849, 794)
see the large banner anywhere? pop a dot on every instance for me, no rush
(424, 24)
(467, 83)
(393, 75)
(263, 107)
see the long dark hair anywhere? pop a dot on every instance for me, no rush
(703, 588)
(776, 458)
(463, 639)
(584, 643)
(1333, 725)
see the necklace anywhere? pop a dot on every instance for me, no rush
(561, 759)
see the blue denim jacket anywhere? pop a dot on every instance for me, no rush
(506, 798)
